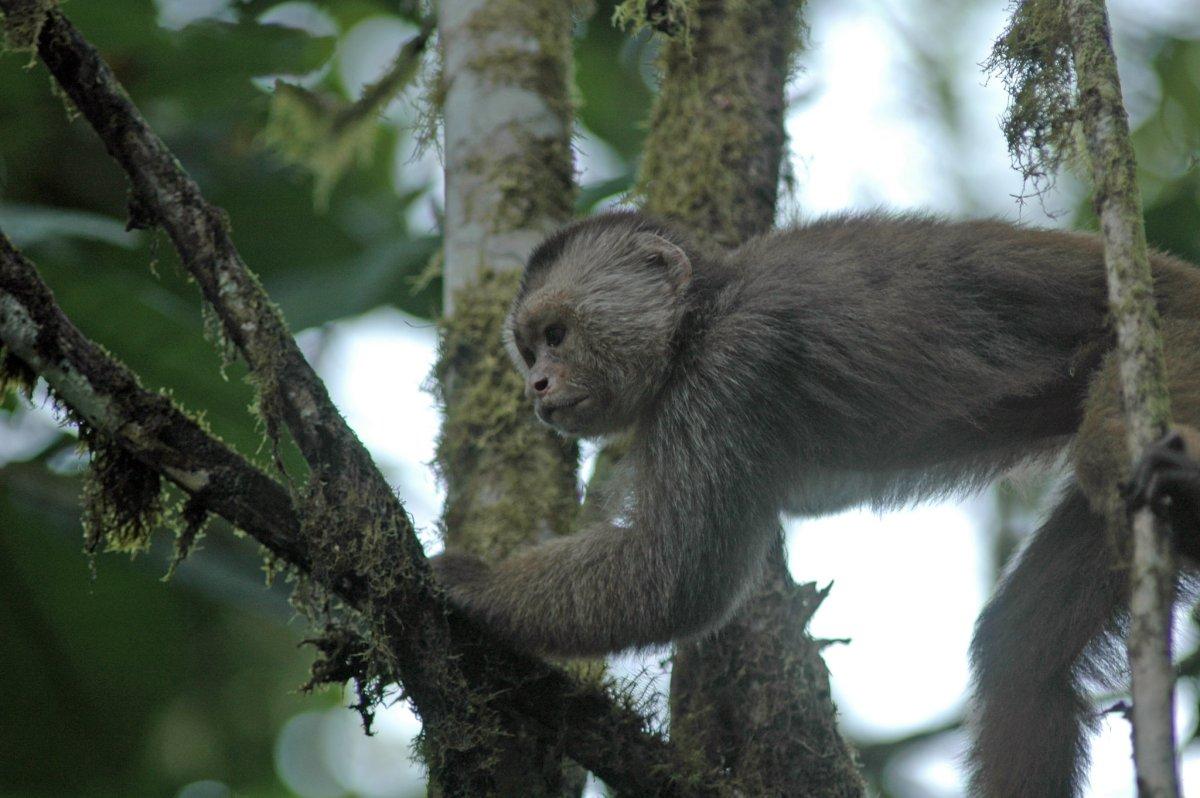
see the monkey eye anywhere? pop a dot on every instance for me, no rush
(555, 334)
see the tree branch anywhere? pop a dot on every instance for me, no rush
(454, 673)
(608, 739)
(146, 424)
(1118, 204)
(164, 194)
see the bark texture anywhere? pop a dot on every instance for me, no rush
(509, 181)
(716, 139)
(1118, 205)
(507, 114)
(754, 698)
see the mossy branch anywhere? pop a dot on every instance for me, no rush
(460, 680)
(147, 425)
(1118, 205)
(609, 738)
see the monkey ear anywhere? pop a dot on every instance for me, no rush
(674, 259)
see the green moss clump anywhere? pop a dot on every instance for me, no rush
(23, 23)
(671, 17)
(303, 128)
(15, 375)
(326, 135)
(122, 498)
(1033, 58)
(538, 184)
(713, 152)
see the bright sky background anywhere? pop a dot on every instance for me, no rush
(907, 586)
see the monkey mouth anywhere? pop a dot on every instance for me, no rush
(550, 413)
(562, 404)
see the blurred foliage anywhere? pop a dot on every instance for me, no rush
(118, 685)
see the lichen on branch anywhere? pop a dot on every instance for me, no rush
(489, 433)
(22, 22)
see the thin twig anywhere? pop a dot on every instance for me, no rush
(1143, 383)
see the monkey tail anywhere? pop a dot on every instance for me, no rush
(1048, 631)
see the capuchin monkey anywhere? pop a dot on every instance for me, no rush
(870, 359)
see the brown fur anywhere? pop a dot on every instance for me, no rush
(866, 359)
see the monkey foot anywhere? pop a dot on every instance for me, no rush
(1168, 475)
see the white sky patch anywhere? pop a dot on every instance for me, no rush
(302, 16)
(378, 365)
(176, 14)
(907, 588)
(368, 51)
(851, 146)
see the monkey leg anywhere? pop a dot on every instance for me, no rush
(1167, 478)
(1040, 638)
(1168, 470)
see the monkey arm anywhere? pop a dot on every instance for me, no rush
(673, 564)
(606, 588)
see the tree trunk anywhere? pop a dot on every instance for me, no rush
(509, 182)
(754, 698)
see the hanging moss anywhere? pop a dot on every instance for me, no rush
(122, 498)
(189, 520)
(23, 23)
(510, 480)
(431, 97)
(354, 645)
(15, 375)
(1033, 58)
(346, 523)
(671, 17)
(267, 405)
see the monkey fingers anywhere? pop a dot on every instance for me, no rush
(459, 572)
(1168, 475)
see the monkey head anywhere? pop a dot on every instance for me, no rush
(593, 325)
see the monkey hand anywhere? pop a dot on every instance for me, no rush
(1167, 477)
(461, 575)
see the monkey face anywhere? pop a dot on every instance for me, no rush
(550, 348)
(593, 326)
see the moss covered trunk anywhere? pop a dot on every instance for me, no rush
(509, 181)
(755, 698)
